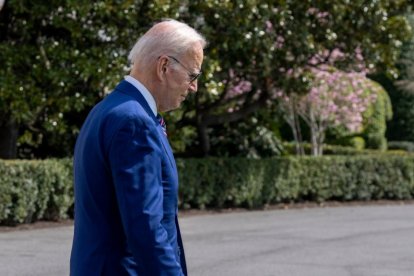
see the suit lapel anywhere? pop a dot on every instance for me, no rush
(167, 147)
(127, 88)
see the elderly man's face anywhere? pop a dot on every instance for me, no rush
(180, 77)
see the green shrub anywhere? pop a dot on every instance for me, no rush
(401, 145)
(357, 142)
(61, 194)
(216, 182)
(377, 141)
(33, 190)
(376, 118)
(357, 148)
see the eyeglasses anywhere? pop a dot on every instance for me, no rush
(193, 76)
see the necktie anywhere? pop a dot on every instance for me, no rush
(162, 123)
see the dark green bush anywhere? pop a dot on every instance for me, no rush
(229, 182)
(34, 190)
(357, 142)
(332, 149)
(401, 145)
(224, 182)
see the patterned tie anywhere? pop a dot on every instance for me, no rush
(162, 123)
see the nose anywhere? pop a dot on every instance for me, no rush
(193, 86)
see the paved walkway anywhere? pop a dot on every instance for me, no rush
(340, 241)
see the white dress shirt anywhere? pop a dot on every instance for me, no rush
(144, 91)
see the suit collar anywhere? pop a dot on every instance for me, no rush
(144, 91)
(130, 90)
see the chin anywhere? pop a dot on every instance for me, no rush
(173, 107)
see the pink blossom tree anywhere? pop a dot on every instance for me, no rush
(289, 105)
(266, 37)
(335, 98)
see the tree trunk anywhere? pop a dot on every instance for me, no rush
(314, 141)
(321, 139)
(299, 146)
(203, 138)
(296, 138)
(8, 139)
(314, 133)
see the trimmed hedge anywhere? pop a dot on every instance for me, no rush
(218, 182)
(401, 145)
(289, 149)
(34, 190)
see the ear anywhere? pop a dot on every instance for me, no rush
(162, 67)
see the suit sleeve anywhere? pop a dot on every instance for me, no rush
(135, 159)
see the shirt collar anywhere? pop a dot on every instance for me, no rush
(144, 91)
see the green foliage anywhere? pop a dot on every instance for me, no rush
(401, 145)
(349, 149)
(401, 127)
(402, 93)
(39, 190)
(251, 138)
(225, 182)
(33, 190)
(376, 118)
(266, 39)
(239, 182)
(406, 62)
(374, 125)
(61, 57)
(357, 142)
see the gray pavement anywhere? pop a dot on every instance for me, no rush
(340, 241)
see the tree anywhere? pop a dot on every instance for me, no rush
(60, 57)
(402, 93)
(336, 99)
(406, 82)
(267, 39)
(375, 119)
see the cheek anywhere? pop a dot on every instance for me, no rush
(174, 95)
(180, 90)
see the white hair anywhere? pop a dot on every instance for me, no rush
(169, 37)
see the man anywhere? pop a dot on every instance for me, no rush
(126, 181)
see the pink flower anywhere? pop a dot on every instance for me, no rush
(237, 86)
(269, 26)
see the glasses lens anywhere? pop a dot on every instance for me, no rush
(193, 77)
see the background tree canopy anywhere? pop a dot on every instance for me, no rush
(58, 58)
(402, 94)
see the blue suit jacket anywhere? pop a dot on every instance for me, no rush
(126, 192)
